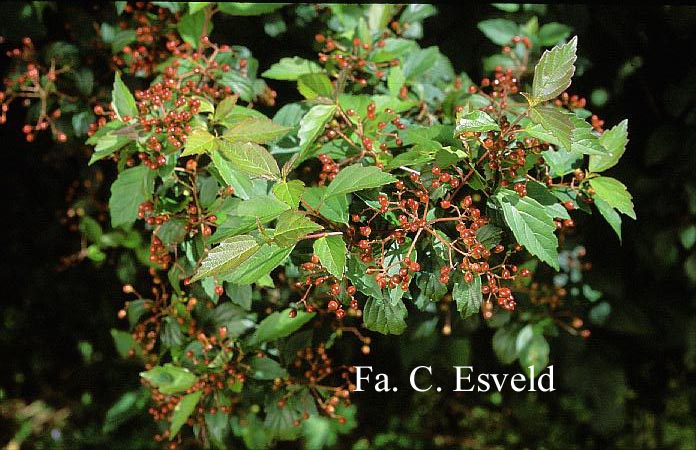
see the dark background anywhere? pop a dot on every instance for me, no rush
(628, 376)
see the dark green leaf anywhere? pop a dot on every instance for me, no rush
(468, 296)
(182, 411)
(331, 251)
(132, 187)
(279, 325)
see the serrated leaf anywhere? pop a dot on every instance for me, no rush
(291, 69)
(614, 193)
(468, 296)
(279, 325)
(556, 122)
(199, 142)
(500, 31)
(355, 178)
(132, 187)
(170, 379)
(241, 183)
(182, 411)
(554, 71)
(331, 251)
(385, 315)
(254, 129)
(582, 139)
(122, 100)
(261, 263)
(311, 127)
(476, 121)
(614, 143)
(289, 192)
(173, 231)
(250, 158)
(227, 256)
(292, 226)
(610, 215)
(313, 85)
(531, 224)
(334, 208)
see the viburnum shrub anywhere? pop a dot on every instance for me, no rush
(395, 185)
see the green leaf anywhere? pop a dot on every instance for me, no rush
(260, 264)
(250, 158)
(227, 256)
(279, 325)
(248, 9)
(476, 121)
(355, 178)
(334, 208)
(132, 187)
(292, 226)
(241, 183)
(419, 61)
(254, 129)
(556, 122)
(531, 224)
(266, 369)
(108, 145)
(614, 142)
(552, 33)
(170, 379)
(554, 71)
(331, 251)
(313, 85)
(610, 215)
(173, 231)
(191, 28)
(199, 142)
(582, 139)
(395, 80)
(122, 100)
(182, 411)
(263, 207)
(614, 193)
(289, 192)
(385, 314)
(123, 341)
(194, 7)
(468, 296)
(311, 127)
(291, 69)
(500, 31)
